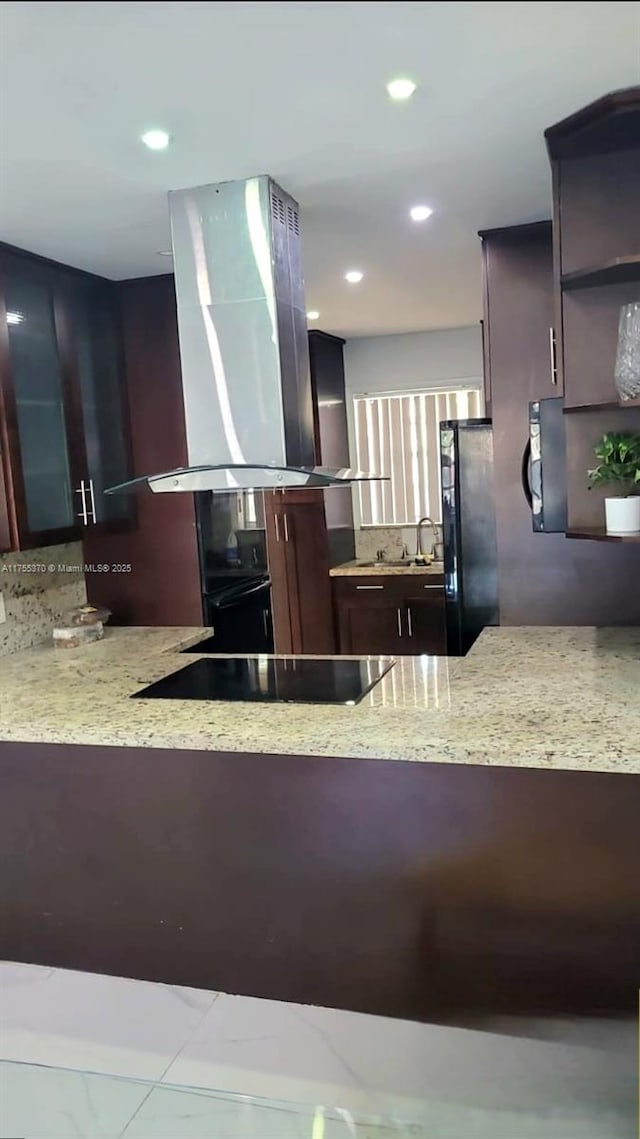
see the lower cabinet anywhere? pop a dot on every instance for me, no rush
(298, 557)
(396, 613)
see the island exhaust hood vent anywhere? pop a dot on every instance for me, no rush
(243, 343)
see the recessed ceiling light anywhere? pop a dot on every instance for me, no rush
(353, 276)
(15, 318)
(313, 314)
(401, 88)
(165, 253)
(420, 213)
(156, 139)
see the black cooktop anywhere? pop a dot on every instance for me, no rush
(300, 680)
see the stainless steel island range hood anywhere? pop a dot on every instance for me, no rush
(243, 343)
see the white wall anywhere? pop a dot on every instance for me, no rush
(411, 360)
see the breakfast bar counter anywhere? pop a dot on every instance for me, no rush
(564, 698)
(460, 845)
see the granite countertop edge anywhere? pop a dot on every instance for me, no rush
(382, 569)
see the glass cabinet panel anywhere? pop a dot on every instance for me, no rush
(97, 350)
(38, 387)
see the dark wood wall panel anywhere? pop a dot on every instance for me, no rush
(163, 587)
(435, 892)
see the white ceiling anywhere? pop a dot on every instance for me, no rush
(297, 90)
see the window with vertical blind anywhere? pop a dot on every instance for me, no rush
(397, 435)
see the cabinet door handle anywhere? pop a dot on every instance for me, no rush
(277, 525)
(265, 623)
(81, 491)
(286, 528)
(93, 502)
(440, 587)
(369, 586)
(552, 355)
(409, 621)
(399, 613)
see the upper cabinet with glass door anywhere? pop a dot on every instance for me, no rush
(62, 416)
(98, 389)
(36, 427)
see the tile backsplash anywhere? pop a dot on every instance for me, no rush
(38, 587)
(391, 539)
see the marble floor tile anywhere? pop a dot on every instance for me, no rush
(170, 1114)
(436, 1062)
(96, 1023)
(14, 973)
(265, 1048)
(45, 1103)
(371, 1064)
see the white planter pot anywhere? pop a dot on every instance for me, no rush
(622, 515)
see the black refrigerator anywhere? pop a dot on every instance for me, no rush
(468, 531)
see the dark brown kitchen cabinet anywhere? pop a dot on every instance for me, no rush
(331, 438)
(424, 619)
(543, 578)
(595, 160)
(395, 613)
(518, 329)
(39, 455)
(369, 616)
(62, 412)
(298, 557)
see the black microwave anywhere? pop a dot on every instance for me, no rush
(544, 466)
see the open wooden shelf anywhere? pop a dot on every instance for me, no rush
(619, 271)
(610, 405)
(599, 534)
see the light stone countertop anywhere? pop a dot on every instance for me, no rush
(528, 697)
(368, 569)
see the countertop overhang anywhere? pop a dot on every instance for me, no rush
(566, 698)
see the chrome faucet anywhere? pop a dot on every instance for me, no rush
(419, 552)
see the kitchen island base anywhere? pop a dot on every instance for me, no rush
(441, 892)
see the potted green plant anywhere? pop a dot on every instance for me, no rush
(618, 453)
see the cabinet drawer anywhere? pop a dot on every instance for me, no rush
(389, 585)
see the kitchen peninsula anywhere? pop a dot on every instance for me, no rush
(560, 698)
(461, 844)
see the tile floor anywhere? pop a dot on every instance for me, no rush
(104, 1057)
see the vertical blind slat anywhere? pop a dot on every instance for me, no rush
(399, 437)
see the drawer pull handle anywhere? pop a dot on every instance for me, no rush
(433, 587)
(369, 586)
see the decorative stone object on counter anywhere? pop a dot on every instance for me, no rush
(85, 624)
(89, 615)
(74, 636)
